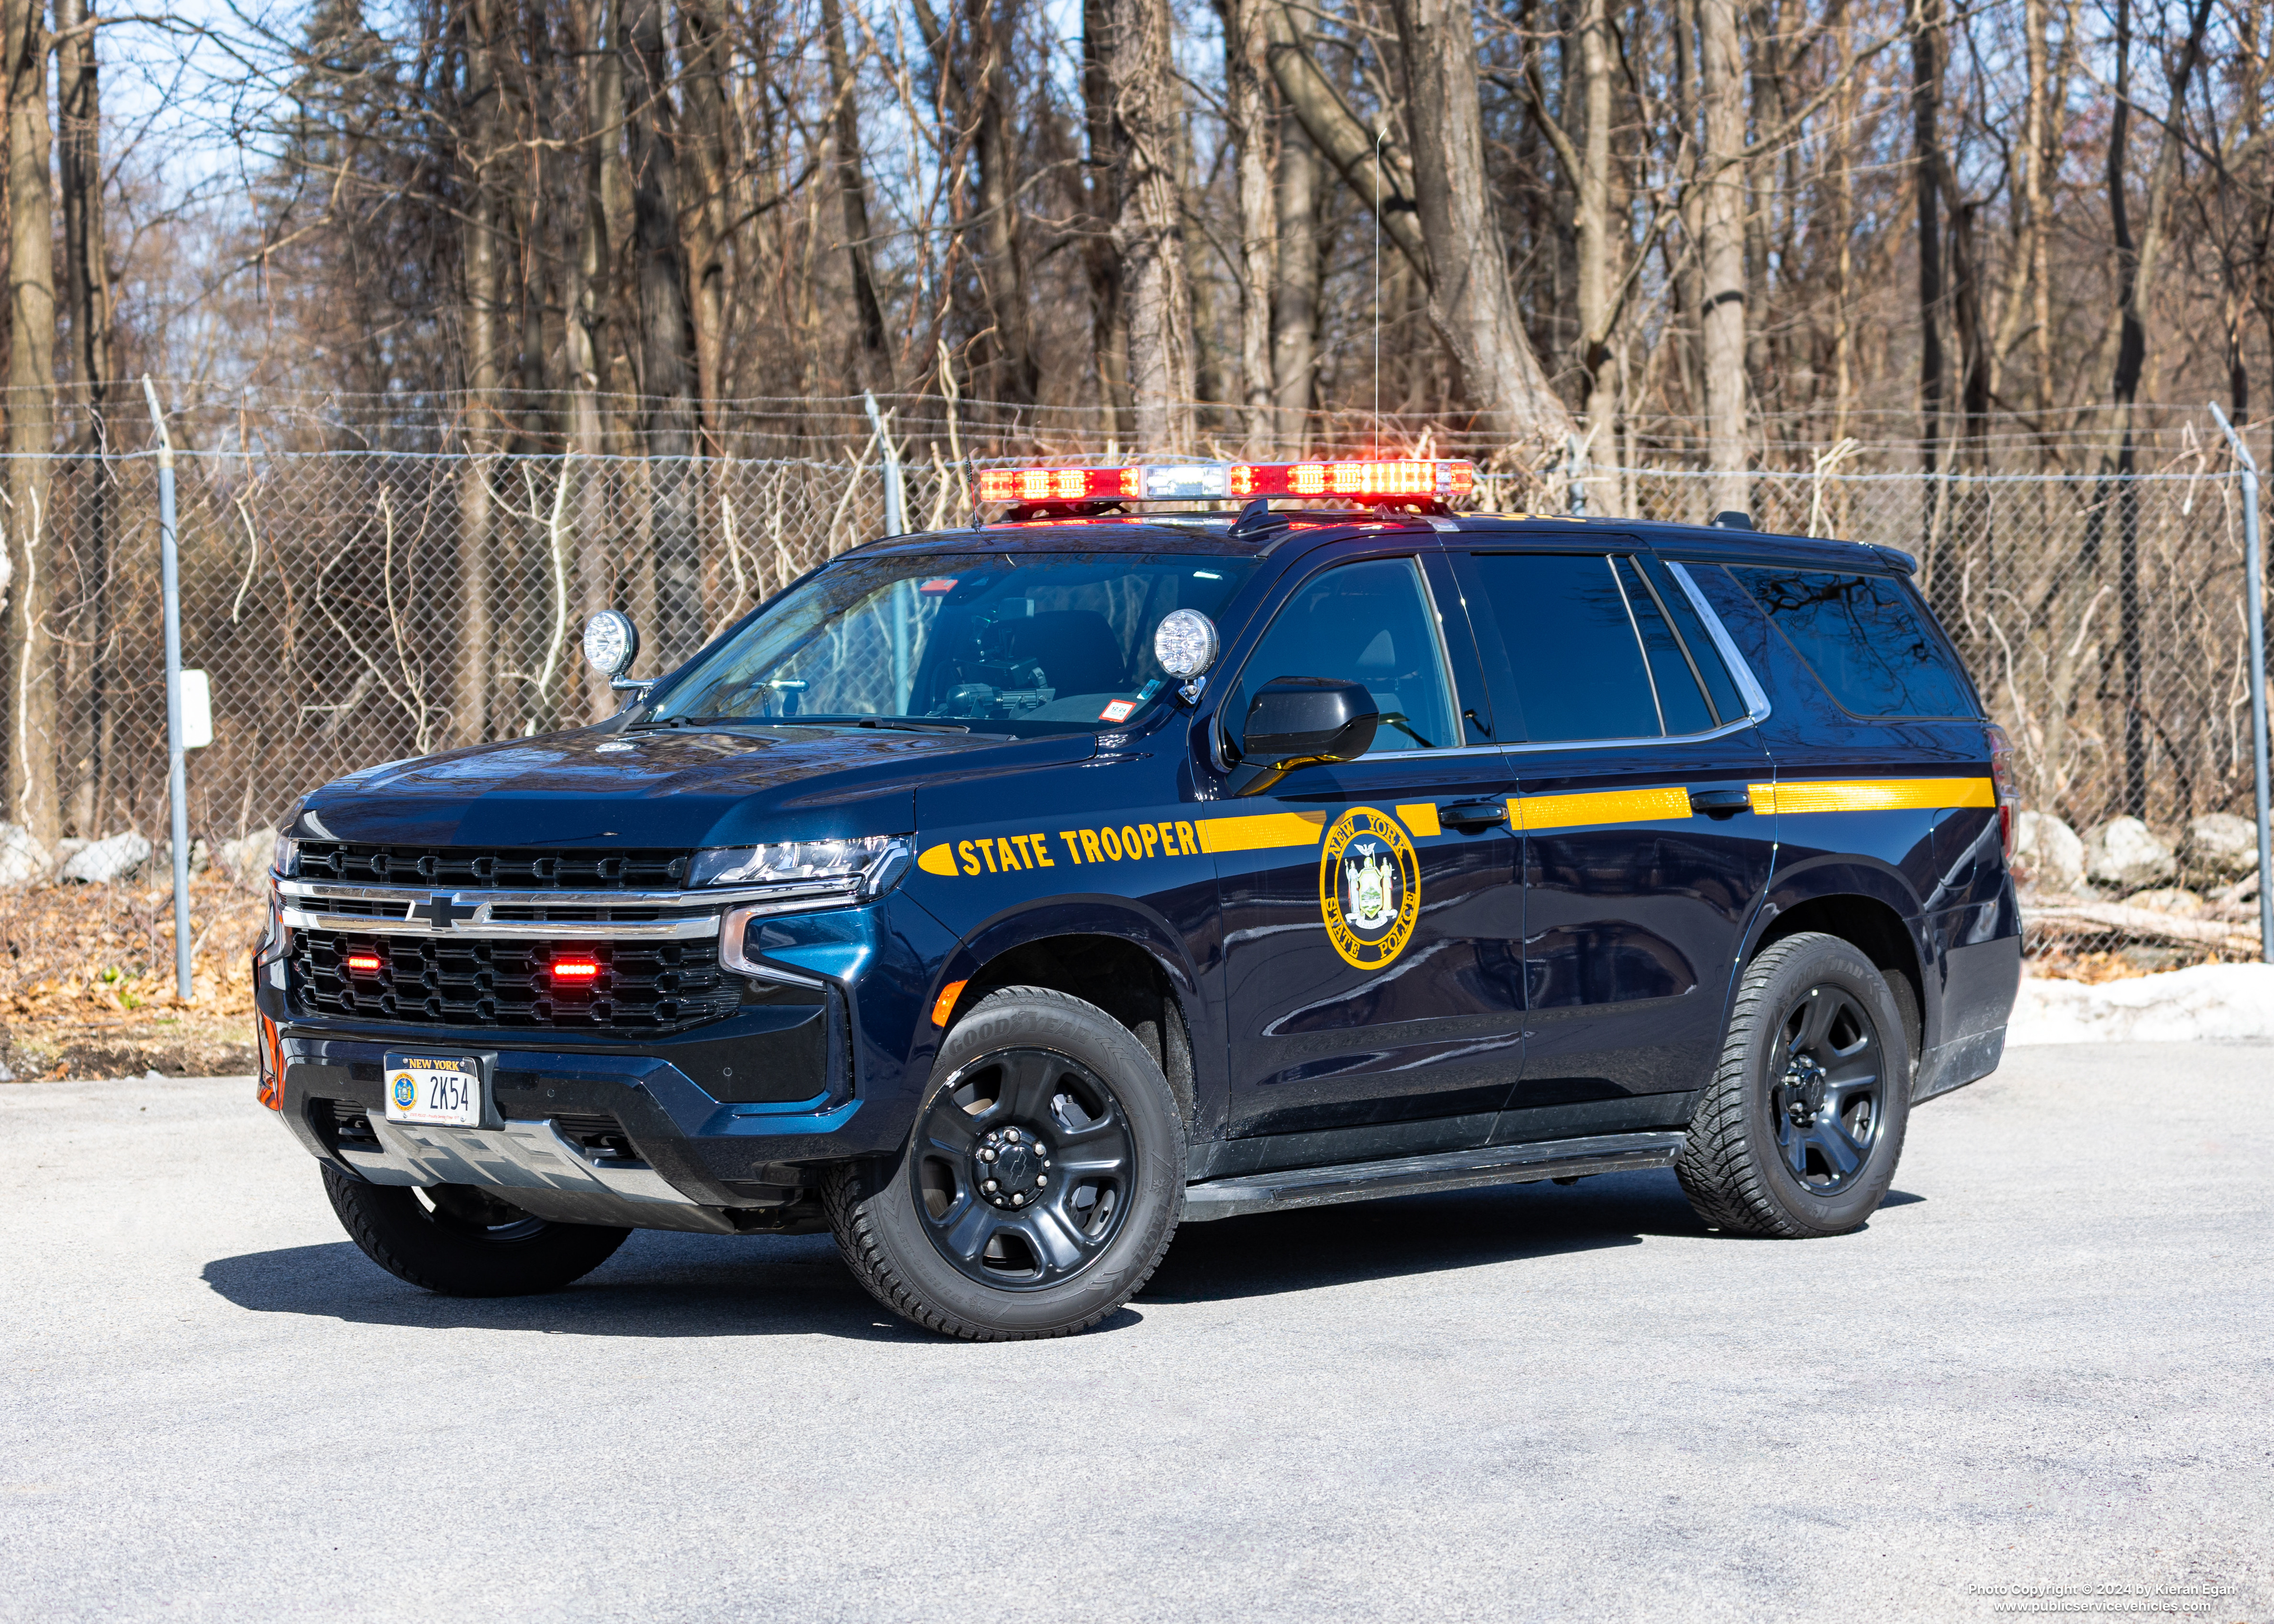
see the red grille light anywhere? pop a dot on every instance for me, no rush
(363, 963)
(575, 969)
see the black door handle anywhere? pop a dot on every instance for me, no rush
(1720, 802)
(1470, 816)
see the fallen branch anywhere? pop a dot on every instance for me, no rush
(2139, 924)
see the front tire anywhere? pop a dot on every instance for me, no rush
(1799, 1131)
(462, 1241)
(1041, 1184)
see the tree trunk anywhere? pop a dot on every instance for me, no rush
(1471, 298)
(1295, 290)
(484, 277)
(874, 364)
(667, 363)
(1248, 113)
(30, 427)
(1721, 225)
(87, 298)
(997, 148)
(1109, 318)
(1592, 218)
(584, 347)
(703, 140)
(1148, 227)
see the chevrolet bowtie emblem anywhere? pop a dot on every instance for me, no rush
(439, 911)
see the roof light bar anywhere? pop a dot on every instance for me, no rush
(1352, 480)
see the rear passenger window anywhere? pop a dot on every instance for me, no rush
(1867, 641)
(1721, 687)
(1592, 654)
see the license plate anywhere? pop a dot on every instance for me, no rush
(442, 1089)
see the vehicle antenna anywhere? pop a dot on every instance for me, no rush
(1378, 140)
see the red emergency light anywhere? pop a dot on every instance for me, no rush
(1354, 480)
(1366, 480)
(363, 963)
(575, 971)
(1059, 484)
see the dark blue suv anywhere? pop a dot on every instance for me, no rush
(999, 899)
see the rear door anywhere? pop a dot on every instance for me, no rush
(1643, 854)
(1371, 912)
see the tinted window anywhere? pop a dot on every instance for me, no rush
(1681, 702)
(1579, 671)
(1866, 640)
(1369, 623)
(1728, 704)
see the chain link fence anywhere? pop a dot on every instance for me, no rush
(356, 606)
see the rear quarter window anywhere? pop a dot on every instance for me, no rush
(1868, 640)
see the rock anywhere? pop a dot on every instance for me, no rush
(22, 858)
(2217, 849)
(2171, 899)
(2047, 855)
(105, 861)
(2125, 853)
(246, 861)
(200, 856)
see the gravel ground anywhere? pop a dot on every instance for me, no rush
(2045, 1364)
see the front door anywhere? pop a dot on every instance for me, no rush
(1373, 969)
(1644, 857)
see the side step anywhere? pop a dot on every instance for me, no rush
(1452, 1169)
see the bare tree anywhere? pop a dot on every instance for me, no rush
(32, 712)
(1148, 231)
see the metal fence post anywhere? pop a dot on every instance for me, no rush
(169, 583)
(896, 501)
(2254, 574)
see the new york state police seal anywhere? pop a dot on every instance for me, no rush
(1369, 887)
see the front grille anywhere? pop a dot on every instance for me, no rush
(450, 982)
(504, 869)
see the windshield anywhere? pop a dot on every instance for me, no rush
(1035, 643)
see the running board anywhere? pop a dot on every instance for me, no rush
(1452, 1169)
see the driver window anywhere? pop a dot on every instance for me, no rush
(1372, 623)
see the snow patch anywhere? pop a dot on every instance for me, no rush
(2209, 1003)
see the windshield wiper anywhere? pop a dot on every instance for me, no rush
(893, 722)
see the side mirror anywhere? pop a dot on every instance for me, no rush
(611, 644)
(1309, 719)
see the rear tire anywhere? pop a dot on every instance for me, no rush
(1799, 1131)
(463, 1242)
(1041, 1184)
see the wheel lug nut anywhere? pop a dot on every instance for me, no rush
(989, 1184)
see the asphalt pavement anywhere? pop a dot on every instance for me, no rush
(2044, 1366)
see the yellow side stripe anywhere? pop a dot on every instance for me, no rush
(1872, 794)
(1422, 819)
(1262, 832)
(1615, 805)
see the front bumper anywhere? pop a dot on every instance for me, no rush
(727, 1127)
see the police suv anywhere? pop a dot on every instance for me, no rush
(999, 899)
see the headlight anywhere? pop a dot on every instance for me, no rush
(287, 860)
(810, 871)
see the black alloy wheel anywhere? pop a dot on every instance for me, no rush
(1799, 1129)
(1042, 1179)
(1826, 1103)
(463, 1241)
(1023, 1167)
